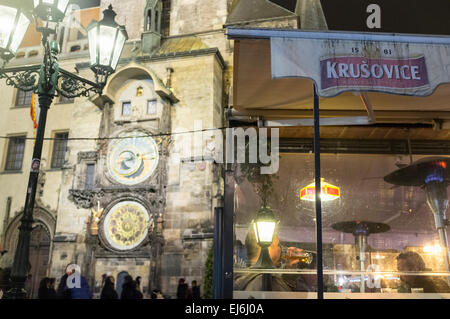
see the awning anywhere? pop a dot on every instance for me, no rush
(274, 72)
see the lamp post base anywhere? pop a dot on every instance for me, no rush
(264, 261)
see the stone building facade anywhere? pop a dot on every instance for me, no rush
(132, 194)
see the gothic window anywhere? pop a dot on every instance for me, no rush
(149, 20)
(23, 98)
(156, 20)
(89, 180)
(14, 157)
(165, 18)
(151, 106)
(59, 149)
(126, 108)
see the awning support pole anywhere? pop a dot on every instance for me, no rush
(318, 200)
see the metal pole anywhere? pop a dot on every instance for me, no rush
(218, 254)
(20, 267)
(361, 246)
(228, 235)
(444, 243)
(318, 199)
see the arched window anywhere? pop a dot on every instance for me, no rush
(165, 18)
(149, 20)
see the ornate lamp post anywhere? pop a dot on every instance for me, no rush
(49, 80)
(264, 227)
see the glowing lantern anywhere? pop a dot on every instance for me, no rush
(329, 192)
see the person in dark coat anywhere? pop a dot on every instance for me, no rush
(412, 261)
(51, 288)
(138, 283)
(43, 292)
(129, 289)
(63, 292)
(182, 290)
(82, 292)
(195, 290)
(108, 291)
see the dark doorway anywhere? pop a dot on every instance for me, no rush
(39, 257)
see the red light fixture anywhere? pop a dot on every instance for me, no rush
(329, 192)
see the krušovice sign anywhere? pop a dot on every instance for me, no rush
(350, 71)
(361, 65)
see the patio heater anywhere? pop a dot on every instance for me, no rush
(361, 230)
(433, 176)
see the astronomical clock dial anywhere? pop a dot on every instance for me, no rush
(132, 158)
(126, 225)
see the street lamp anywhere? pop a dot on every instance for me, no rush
(51, 10)
(106, 40)
(13, 25)
(264, 227)
(48, 80)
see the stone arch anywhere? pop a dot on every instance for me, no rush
(42, 218)
(136, 71)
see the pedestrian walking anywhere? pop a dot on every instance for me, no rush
(43, 292)
(138, 283)
(83, 291)
(195, 290)
(182, 289)
(129, 289)
(108, 291)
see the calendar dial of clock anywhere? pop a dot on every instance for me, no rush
(126, 225)
(132, 158)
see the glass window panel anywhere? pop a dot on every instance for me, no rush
(106, 43)
(14, 157)
(90, 174)
(23, 98)
(165, 19)
(151, 107)
(118, 49)
(349, 256)
(59, 150)
(21, 28)
(7, 18)
(92, 35)
(126, 108)
(62, 5)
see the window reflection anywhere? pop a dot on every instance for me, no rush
(378, 261)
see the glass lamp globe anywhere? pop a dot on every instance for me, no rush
(51, 10)
(13, 26)
(264, 227)
(106, 41)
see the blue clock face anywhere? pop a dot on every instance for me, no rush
(132, 158)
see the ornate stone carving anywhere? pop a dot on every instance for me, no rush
(81, 197)
(87, 156)
(94, 219)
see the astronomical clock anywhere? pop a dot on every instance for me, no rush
(132, 158)
(125, 226)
